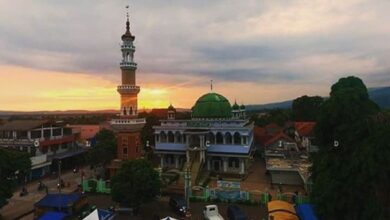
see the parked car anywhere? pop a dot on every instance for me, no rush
(210, 212)
(178, 204)
(235, 213)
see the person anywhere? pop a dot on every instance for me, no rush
(24, 191)
(40, 185)
(294, 198)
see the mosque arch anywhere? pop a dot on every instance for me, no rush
(178, 138)
(163, 137)
(211, 137)
(228, 138)
(237, 138)
(171, 137)
(219, 138)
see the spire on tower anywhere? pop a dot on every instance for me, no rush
(127, 35)
(211, 85)
(127, 22)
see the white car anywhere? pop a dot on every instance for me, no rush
(210, 212)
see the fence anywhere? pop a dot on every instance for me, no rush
(93, 185)
(235, 195)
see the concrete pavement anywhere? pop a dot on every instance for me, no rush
(18, 206)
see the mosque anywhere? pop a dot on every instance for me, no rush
(217, 138)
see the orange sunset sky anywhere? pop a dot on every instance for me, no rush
(64, 55)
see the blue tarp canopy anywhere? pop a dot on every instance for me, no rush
(306, 212)
(105, 214)
(53, 216)
(58, 200)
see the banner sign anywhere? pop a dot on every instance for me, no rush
(228, 184)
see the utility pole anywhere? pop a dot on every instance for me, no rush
(59, 183)
(187, 187)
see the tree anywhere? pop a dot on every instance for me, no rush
(306, 108)
(278, 116)
(14, 166)
(104, 150)
(135, 183)
(147, 133)
(375, 155)
(340, 181)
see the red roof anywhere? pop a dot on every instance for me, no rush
(304, 128)
(260, 135)
(278, 137)
(160, 113)
(272, 128)
(87, 131)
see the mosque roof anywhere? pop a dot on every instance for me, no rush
(212, 105)
(235, 106)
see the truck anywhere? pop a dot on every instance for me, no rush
(210, 212)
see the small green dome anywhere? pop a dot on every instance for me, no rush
(242, 107)
(235, 106)
(212, 105)
(171, 108)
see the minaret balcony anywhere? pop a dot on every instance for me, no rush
(128, 89)
(127, 64)
(130, 47)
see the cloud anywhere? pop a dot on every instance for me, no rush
(187, 43)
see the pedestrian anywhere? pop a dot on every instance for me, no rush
(295, 197)
(47, 190)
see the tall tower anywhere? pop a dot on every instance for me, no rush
(128, 90)
(127, 126)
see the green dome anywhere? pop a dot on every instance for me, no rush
(212, 105)
(242, 106)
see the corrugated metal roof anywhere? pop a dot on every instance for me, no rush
(22, 125)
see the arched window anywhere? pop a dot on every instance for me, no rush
(211, 138)
(194, 141)
(178, 137)
(219, 138)
(157, 138)
(131, 111)
(237, 138)
(171, 138)
(128, 57)
(228, 138)
(124, 110)
(163, 137)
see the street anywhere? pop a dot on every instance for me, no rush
(18, 205)
(161, 209)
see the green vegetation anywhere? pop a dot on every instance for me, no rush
(105, 149)
(306, 108)
(135, 183)
(278, 116)
(350, 172)
(147, 133)
(14, 165)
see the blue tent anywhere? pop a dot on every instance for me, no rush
(306, 212)
(58, 200)
(53, 216)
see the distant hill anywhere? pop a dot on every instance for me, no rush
(380, 96)
(71, 112)
(274, 105)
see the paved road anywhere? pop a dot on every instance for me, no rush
(19, 205)
(161, 209)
